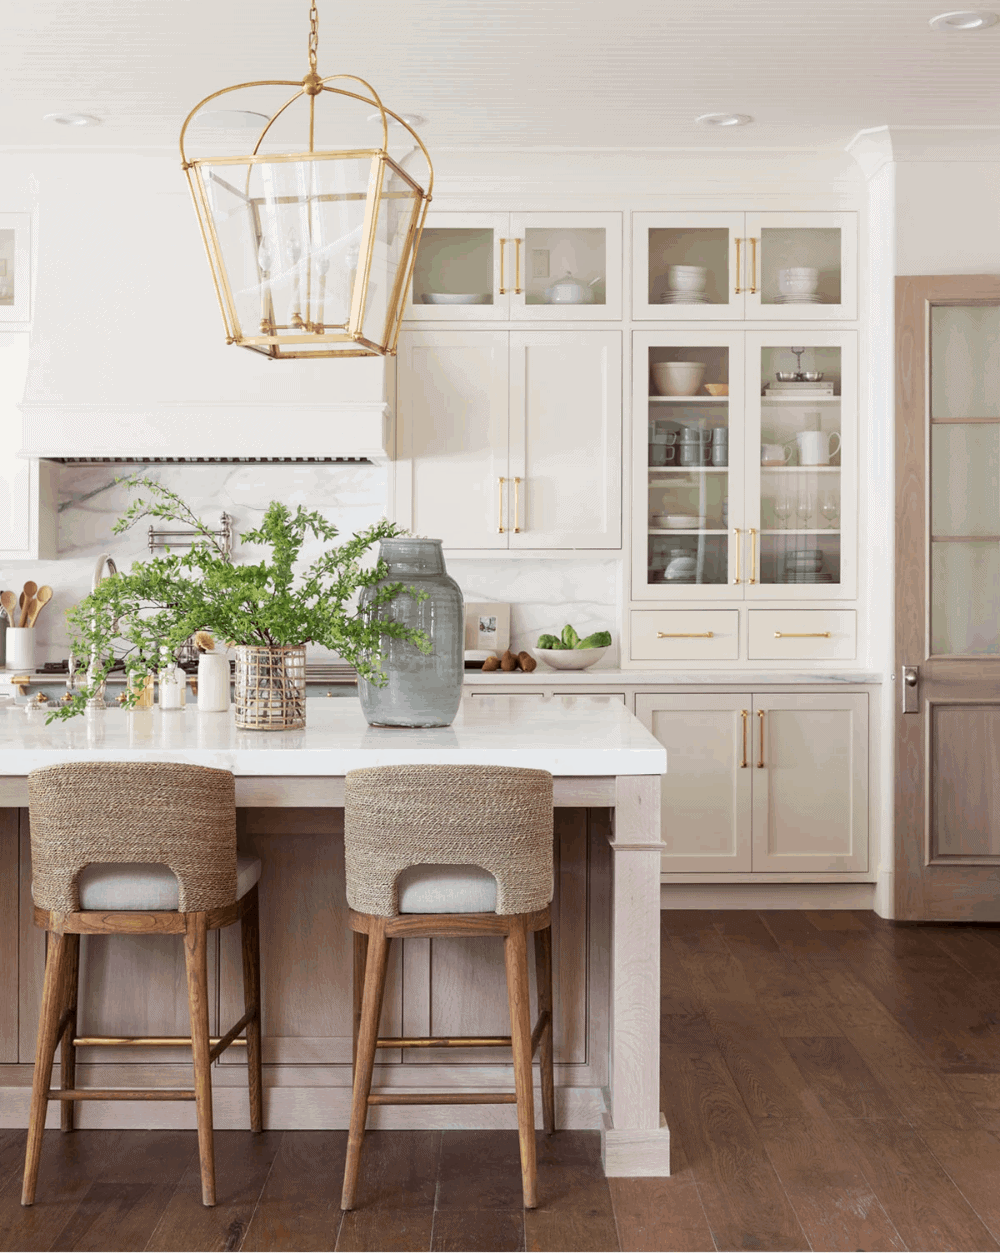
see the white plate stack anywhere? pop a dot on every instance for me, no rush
(797, 286)
(685, 285)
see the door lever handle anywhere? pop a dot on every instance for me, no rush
(911, 689)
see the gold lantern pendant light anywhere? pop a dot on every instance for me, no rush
(311, 252)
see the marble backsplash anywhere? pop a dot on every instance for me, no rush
(544, 594)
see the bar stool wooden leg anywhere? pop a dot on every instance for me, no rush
(53, 1000)
(67, 1052)
(196, 962)
(250, 943)
(543, 984)
(360, 959)
(371, 1013)
(515, 951)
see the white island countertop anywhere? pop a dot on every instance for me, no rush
(568, 736)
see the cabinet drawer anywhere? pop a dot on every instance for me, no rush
(802, 635)
(685, 635)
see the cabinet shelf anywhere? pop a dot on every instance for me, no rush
(689, 400)
(799, 400)
(674, 531)
(800, 469)
(825, 530)
(689, 469)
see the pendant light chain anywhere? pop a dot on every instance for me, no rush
(313, 35)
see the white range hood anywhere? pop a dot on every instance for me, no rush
(128, 358)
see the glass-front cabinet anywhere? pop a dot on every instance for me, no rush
(729, 266)
(518, 267)
(745, 485)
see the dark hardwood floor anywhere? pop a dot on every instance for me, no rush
(832, 1081)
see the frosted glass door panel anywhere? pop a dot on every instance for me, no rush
(687, 266)
(965, 479)
(461, 269)
(965, 593)
(552, 253)
(799, 266)
(965, 361)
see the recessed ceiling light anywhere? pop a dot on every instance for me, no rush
(231, 119)
(964, 19)
(724, 119)
(72, 119)
(411, 119)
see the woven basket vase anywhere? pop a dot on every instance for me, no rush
(270, 688)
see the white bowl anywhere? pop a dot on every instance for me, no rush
(798, 282)
(569, 658)
(677, 378)
(687, 277)
(453, 298)
(678, 521)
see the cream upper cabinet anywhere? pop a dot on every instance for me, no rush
(28, 487)
(510, 440)
(726, 266)
(762, 784)
(539, 267)
(745, 477)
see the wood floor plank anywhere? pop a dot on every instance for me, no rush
(982, 1093)
(242, 1163)
(925, 1205)
(299, 1205)
(12, 1143)
(744, 1201)
(660, 1216)
(834, 920)
(481, 1170)
(838, 1075)
(384, 1230)
(478, 1232)
(574, 1201)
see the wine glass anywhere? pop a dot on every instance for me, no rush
(782, 507)
(804, 512)
(830, 508)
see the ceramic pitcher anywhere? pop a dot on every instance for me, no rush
(814, 447)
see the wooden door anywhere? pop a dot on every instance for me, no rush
(451, 437)
(708, 249)
(565, 439)
(705, 794)
(548, 246)
(810, 782)
(947, 802)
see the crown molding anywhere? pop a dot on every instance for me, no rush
(880, 145)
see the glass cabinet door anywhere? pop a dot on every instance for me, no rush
(688, 266)
(688, 472)
(801, 266)
(801, 423)
(567, 267)
(463, 271)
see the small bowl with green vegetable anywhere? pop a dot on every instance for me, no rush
(569, 652)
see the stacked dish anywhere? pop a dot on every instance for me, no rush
(678, 522)
(805, 565)
(797, 286)
(685, 285)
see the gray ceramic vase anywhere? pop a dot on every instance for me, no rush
(424, 690)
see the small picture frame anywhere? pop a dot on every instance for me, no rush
(15, 267)
(487, 630)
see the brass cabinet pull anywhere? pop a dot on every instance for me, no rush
(745, 715)
(517, 505)
(753, 267)
(802, 635)
(739, 268)
(736, 532)
(685, 635)
(753, 555)
(503, 288)
(760, 760)
(517, 267)
(500, 527)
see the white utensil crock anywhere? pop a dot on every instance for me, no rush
(213, 683)
(814, 447)
(20, 648)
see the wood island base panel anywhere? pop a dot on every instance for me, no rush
(605, 921)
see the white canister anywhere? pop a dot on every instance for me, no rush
(20, 648)
(173, 687)
(213, 683)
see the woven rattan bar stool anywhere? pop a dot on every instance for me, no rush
(436, 851)
(138, 849)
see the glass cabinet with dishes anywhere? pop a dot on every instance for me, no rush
(745, 485)
(518, 267)
(732, 266)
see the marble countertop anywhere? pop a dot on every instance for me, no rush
(543, 676)
(567, 735)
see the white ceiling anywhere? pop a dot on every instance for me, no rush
(509, 73)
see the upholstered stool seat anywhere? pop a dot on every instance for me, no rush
(146, 885)
(138, 848)
(445, 851)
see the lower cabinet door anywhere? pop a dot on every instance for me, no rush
(810, 782)
(706, 792)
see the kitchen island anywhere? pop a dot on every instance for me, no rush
(289, 790)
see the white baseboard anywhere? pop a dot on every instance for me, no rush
(635, 1154)
(885, 895)
(767, 896)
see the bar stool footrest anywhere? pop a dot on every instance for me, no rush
(443, 1098)
(120, 1094)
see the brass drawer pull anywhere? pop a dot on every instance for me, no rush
(500, 483)
(802, 635)
(517, 267)
(760, 760)
(503, 286)
(517, 501)
(753, 267)
(685, 635)
(737, 290)
(745, 715)
(736, 532)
